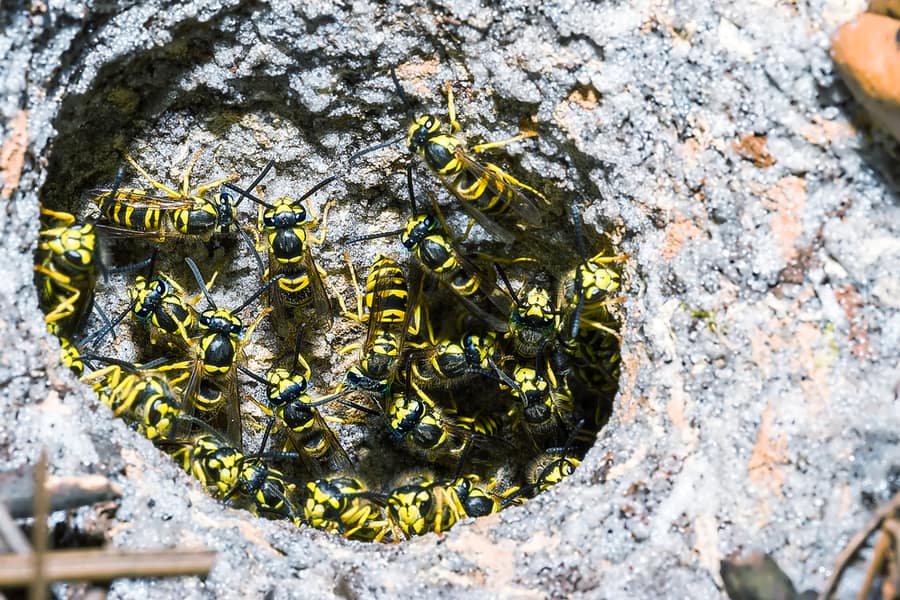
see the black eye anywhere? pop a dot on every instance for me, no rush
(225, 198)
(429, 123)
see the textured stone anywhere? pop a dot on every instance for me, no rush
(757, 405)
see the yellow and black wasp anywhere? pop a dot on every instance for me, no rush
(287, 395)
(391, 309)
(217, 349)
(231, 474)
(422, 504)
(138, 394)
(169, 213)
(544, 406)
(448, 364)
(160, 303)
(300, 295)
(584, 293)
(422, 427)
(533, 322)
(482, 188)
(342, 504)
(66, 270)
(425, 238)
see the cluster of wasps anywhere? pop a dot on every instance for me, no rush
(464, 373)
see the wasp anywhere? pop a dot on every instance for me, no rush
(342, 504)
(217, 349)
(544, 403)
(423, 427)
(449, 364)
(482, 188)
(550, 468)
(66, 270)
(584, 292)
(229, 473)
(183, 213)
(390, 311)
(288, 397)
(423, 504)
(139, 395)
(160, 303)
(69, 353)
(285, 224)
(425, 237)
(533, 323)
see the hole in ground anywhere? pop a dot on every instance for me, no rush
(431, 450)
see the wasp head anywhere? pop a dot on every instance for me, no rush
(420, 132)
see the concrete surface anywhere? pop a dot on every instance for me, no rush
(757, 408)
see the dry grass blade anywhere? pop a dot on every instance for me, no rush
(39, 530)
(104, 565)
(11, 537)
(856, 543)
(17, 492)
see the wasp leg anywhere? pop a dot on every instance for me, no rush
(160, 186)
(186, 191)
(64, 217)
(451, 107)
(479, 148)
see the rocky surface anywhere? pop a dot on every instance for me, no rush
(758, 405)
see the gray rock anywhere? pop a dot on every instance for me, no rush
(757, 404)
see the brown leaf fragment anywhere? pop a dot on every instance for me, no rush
(757, 577)
(753, 148)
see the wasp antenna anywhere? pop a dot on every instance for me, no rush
(506, 379)
(409, 186)
(252, 375)
(156, 362)
(509, 287)
(246, 194)
(570, 441)
(359, 407)
(373, 236)
(365, 151)
(258, 292)
(400, 91)
(462, 457)
(316, 188)
(103, 317)
(134, 266)
(265, 438)
(327, 399)
(193, 267)
(298, 341)
(94, 338)
(249, 242)
(253, 184)
(579, 277)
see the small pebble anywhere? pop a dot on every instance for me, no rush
(866, 52)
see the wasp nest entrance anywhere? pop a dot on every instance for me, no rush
(249, 319)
